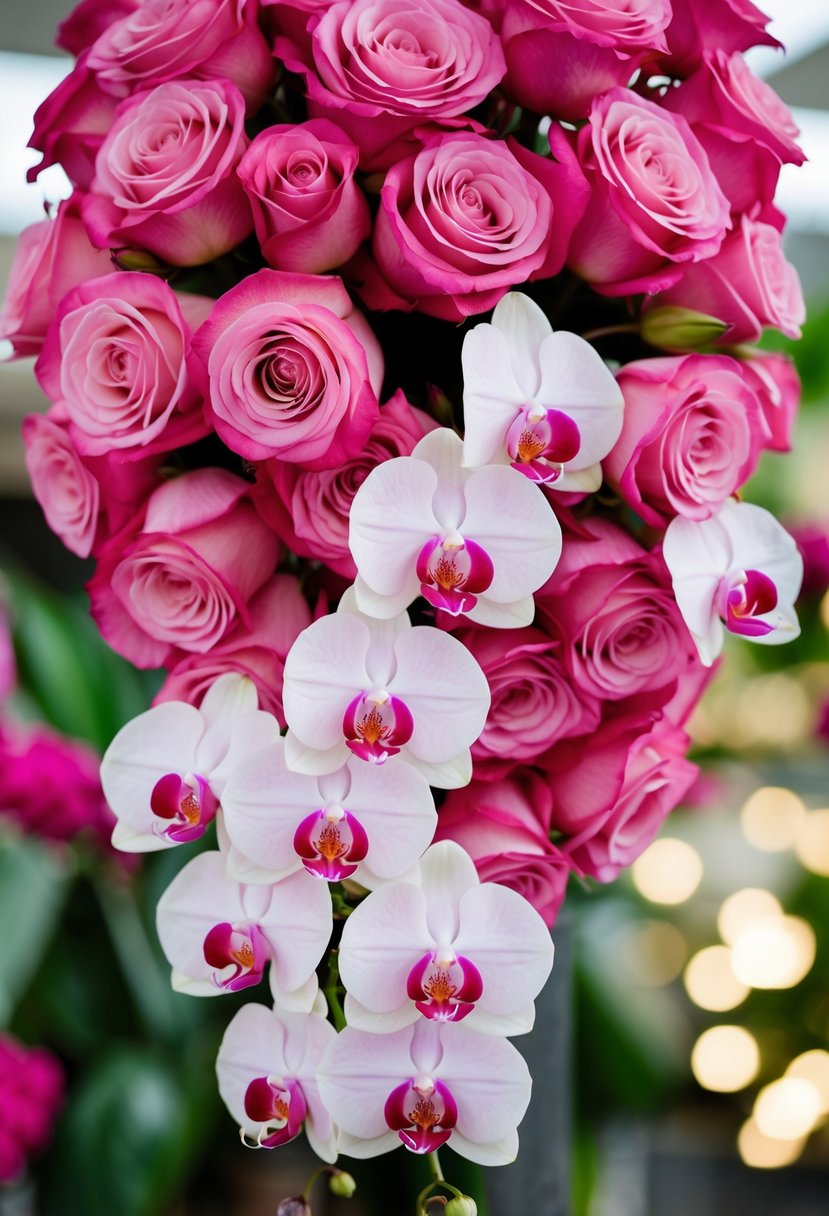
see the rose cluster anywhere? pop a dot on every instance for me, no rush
(391, 524)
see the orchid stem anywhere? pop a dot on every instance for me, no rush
(434, 1166)
(331, 992)
(629, 328)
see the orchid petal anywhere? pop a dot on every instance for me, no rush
(298, 926)
(359, 1149)
(447, 872)
(381, 941)
(248, 734)
(199, 897)
(357, 1074)
(507, 1025)
(296, 1000)
(525, 328)
(360, 1018)
(496, 1152)
(491, 398)
(445, 690)
(575, 379)
(324, 668)
(389, 522)
(396, 808)
(374, 604)
(579, 481)
(228, 697)
(489, 1080)
(451, 774)
(442, 449)
(516, 615)
(508, 942)
(761, 543)
(310, 762)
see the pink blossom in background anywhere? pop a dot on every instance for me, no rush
(183, 202)
(8, 666)
(71, 125)
(290, 369)
(31, 1094)
(182, 581)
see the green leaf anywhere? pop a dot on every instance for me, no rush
(34, 881)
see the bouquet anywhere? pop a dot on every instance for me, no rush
(403, 385)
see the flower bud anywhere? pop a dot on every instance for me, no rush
(461, 1205)
(342, 1184)
(141, 259)
(295, 1206)
(674, 328)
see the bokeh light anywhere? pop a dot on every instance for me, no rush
(765, 1153)
(813, 1066)
(770, 818)
(787, 1109)
(725, 1058)
(812, 842)
(710, 980)
(775, 952)
(656, 953)
(668, 872)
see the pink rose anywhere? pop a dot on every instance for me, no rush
(278, 614)
(623, 633)
(51, 257)
(699, 26)
(654, 202)
(85, 499)
(118, 359)
(534, 701)
(310, 215)
(71, 124)
(309, 510)
(167, 39)
(692, 433)
(165, 174)
(594, 44)
(656, 778)
(775, 380)
(187, 576)
(749, 284)
(466, 219)
(383, 67)
(291, 369)
(504, 826)
(31, 1094)
(88, 20)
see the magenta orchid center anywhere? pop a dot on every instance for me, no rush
(279, 1104)
(444, 986)
(186, 804)
(540, 442)
(239, 954)
(423, 1113)
(376, 725)
(453, 572)
(744, 598)
(331, 843)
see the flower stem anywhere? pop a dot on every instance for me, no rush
(630, 327)
(434, 1166)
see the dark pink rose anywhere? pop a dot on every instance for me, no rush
(699, 26)
(188, 575)
(118, 358)
(310, 215)
(466, 219)
(534, 701)
(278, 614)
(654, 203)
(51, 258)
(749, 284)
(594, 44)
(88, 20)
(775, 380)
(167, 39)
(31, 1094)
(623, 633)
(383, 67)
(71, 124)
(656, 778)
(165, 175)
(504, 826)
(292, 369)
(692, 433)
(289, 20)
(309, 510)
(85, 500)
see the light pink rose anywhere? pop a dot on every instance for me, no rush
(291, 368)
(699, 26)
(278, 614)
(88, 20)
(623, 633)
(534, 701)
(466, 219)
(654, 202)
(595, 44)
(749, 284)
(166, 39)
(309, 511)
(504, 826)
(85, 500)
(181, 582)
(692, 433)
(165, 175)
(775, 380)
(118, 358)
(71, 124)
(310, 215)
(657, 776)
(51, 257)
(383, 67)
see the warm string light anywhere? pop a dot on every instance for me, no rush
(725, 1058)
(668, 872)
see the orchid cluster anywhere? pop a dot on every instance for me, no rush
(402, 391)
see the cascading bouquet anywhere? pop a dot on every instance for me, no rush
(391, 554)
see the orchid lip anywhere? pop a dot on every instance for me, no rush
(746, 597)
(423, 1112)
(376, 725)
(331, 842)
(279, 1104)
(444, 986)
(540, 442)
(239, 954)
(186, 804)
(453, 572)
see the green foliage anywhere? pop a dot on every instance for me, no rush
(34, 883)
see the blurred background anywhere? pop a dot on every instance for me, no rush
(701, 978)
